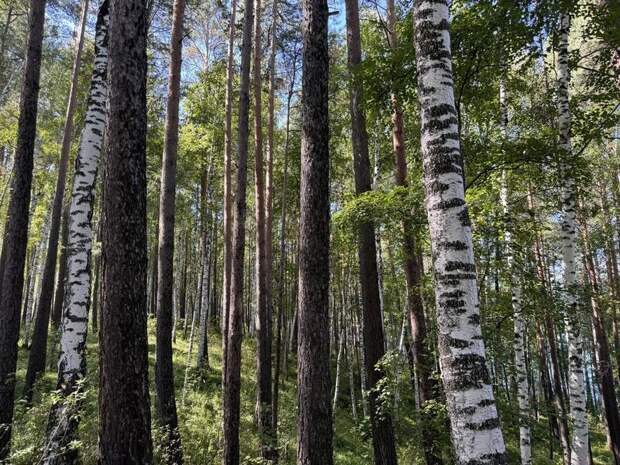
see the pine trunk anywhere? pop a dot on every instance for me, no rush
(475, 426)
(16, 227)
(124, 413)
(601, 346)
(228, 219)
(38, 351)
(374, 341)
(164, 370)
(314, 421)
(263, 355)
(426, 385)
(232, 353)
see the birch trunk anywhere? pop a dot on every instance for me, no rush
(63, 418)
(577, 398)
(475, 425)
(519, 342)
(16, 227)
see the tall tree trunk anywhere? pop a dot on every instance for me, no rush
(208, 240)
(374, 342)
(38, 351)
(16, 226)
(232, 366)
(476, 433)
(64, 418)
(228, 219)
(282, 264)
(263, 355)
(124, 413)
(59, 293)
(164, 370)
(426, 385)
(519, 341)
(601, 346)
(577, 398)
(314, 421)
(269, 172)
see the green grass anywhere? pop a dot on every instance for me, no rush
(200, 416)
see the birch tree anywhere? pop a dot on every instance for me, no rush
(64, 414)
(577, 398)
(519, 342)
(475, 426)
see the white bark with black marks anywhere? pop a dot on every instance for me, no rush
(476, 433)
(72, 361)
(577, 391)
(519, 343)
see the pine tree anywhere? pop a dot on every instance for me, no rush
(16, 229)
(124, 413)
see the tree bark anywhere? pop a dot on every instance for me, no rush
(59, 293)
(475, 426)
(124, 413)
(164, 370)
(426, 385)
(577, 397)
(16, 227)
(263, 355)
(38, 351)
(314, 421)
(374, 341)
(64, 414)
(601, 346)
(282, 264)
(232, 367)
(228, 219)
(519, 341)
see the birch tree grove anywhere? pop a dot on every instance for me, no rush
(476, 433)
(428, 275)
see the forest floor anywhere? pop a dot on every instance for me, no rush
(200, 419)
